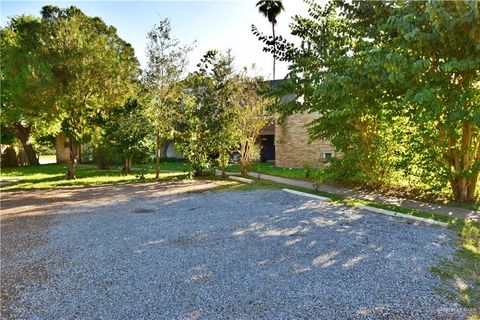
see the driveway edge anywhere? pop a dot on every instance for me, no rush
(401, 215)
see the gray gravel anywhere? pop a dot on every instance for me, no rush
(232, 255)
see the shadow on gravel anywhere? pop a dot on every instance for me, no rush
(40, 202)
(249, 255)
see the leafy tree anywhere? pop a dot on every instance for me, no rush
(103, 153)
(377, 71)
(441, 41)
(96, 70)
(271, 9)
(432, 56)
(167, 62)
(332, 72)
(127, 132)
(251, 116)
(222, 82)
(27, 83)
(207, 125)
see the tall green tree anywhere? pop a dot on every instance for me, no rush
(337, 75)
(167, 62)
(207, 127)
(271, 9)
(27, 83)
(96, 69)
(251, 116)
(441, 40)
(411, 66)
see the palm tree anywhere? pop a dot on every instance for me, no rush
(271, 9)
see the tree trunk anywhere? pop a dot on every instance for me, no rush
(463, 158)
(72, 166)
(472, 189)
(274, 48)
(23, 134)
(10, 158)
(464, 189)
(62, 153)
(157, 155)
(244, 158)
(127, 164)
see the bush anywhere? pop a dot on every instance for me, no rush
(142, 173)
(201, 167)
(343, 169)
(308, 169)
(104, 156)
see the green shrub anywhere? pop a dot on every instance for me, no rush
(142, 173)
(104, 156)
(201, 167)
(308, 169)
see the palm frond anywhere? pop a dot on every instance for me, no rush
(270, 8)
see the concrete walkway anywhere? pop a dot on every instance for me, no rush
(356, 193)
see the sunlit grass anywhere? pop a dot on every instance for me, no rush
(299, 174)
(270, 169)
(53, 175)
(461, 273)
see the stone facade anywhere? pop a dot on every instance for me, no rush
(291, 143)
(62, 149)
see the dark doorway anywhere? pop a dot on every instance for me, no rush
(267, 144)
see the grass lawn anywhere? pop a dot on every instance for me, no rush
(299, 174)
(270, 169)
(461, 274)
(53, 175)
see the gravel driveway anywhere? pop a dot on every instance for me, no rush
(231, 255)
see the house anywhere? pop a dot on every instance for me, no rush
(284, 144)
(292, 147)
(290, 139)
(62, 149)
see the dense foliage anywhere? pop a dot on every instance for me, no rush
(94, 67)
(69, 73)
(27, 81)
(65, 68)
(205, 130)
(128, 132)
(395, 86)
(223, 112)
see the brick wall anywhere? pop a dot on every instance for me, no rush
(291, 142)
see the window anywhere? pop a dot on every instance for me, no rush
(328, 154)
